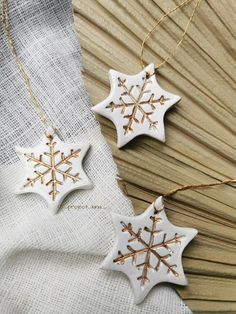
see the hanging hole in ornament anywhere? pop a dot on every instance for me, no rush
(158, 211)
(49, 136)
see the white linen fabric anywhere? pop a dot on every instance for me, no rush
(50, 263)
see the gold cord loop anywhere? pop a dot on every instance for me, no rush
(25, 77)
(172, 53)
(197, 186)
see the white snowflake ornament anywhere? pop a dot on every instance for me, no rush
(53, 169)
(136, 105)
(148, 249)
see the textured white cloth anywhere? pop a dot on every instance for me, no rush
(50, 263)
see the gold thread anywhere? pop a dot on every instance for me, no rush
(197, 186)
(172, 52)
(19, 65)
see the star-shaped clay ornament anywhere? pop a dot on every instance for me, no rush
(53, 169)
(148, 249)
(136, 105)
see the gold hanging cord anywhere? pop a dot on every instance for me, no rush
(197, 186)
(25, 77)
(172, 52)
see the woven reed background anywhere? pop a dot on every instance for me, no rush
(200, 146)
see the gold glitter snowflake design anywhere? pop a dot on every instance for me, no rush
(52, 168)
(148, 248)
(137, 104)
